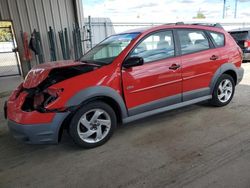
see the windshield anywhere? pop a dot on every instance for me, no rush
(105, 52)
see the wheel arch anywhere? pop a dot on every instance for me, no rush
(104, 93)
(232, 74)
(96, 93)
(227, 68)
(108, 100)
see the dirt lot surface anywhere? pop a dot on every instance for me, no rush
(196, 146)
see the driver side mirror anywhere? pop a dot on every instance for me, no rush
(132, 62)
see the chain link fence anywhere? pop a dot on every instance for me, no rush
(100, 29)
(8, 64)
(8, 56)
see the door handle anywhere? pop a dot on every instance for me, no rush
(214, 57)
(174, 67)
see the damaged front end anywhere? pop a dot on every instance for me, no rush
(38, 98)
(36, 110)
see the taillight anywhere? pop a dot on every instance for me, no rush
(247, 43)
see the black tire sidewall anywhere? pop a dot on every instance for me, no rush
(74, 122)
(215, 99)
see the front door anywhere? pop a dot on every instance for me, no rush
(156, 83)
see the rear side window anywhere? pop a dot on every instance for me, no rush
(192, 41)
(218, 38)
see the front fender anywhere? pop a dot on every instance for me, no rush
(98, 91)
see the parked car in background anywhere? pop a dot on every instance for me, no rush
(242, 38)
(126, 77)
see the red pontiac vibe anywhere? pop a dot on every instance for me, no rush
(126, 77)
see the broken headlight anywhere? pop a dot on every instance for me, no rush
(40, 100)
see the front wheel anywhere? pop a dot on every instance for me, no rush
(93, 124)
(223, 91)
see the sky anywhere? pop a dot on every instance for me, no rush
(163, 10)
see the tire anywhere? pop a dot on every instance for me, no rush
(223, 95)
(93, 124)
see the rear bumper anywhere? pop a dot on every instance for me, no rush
(246, 56)
(38, 133)
(240, 73)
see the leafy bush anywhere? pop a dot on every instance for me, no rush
(5, 35)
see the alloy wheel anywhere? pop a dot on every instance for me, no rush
(94, 125)
(225, 90)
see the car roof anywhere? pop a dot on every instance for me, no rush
(213, 27)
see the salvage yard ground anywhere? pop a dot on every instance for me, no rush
(196, 146)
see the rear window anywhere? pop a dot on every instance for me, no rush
(239, 35)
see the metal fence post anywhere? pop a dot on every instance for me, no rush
(90, 31)
(105, 29)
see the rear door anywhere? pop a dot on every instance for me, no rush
(199, 61)
(156, 83)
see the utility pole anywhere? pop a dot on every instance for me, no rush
(224, 8)
(235, 8)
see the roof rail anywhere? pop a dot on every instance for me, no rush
(209, 24)
(204, 24)
(175, 23)
(179, 23)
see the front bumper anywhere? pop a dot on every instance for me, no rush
(32, 127)
(38, 133)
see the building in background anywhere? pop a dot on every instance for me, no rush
(27, 15)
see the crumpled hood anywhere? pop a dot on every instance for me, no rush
(40, 72)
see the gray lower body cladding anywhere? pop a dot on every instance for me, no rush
(46, 133)
(240, 73)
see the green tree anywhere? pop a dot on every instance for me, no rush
(199, 15)
(5, 31)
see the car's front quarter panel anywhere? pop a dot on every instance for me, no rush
(107, 76)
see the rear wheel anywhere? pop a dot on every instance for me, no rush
(223, 91)
(93, 124)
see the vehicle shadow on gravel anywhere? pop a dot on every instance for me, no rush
(242, 91)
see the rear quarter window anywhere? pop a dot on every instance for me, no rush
(218, 39)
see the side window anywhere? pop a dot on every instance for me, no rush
(192, 41)
(218, 38)
(157, 46)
